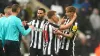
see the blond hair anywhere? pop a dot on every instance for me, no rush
(7, 8)
(70, 10)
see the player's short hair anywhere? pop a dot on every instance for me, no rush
(15, 7)
(6, 9)
(42, 9)
(51, 13)
(70, 9)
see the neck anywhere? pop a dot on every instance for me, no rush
(40, 19)
(15, 14)
(51, 20)
(6, 15)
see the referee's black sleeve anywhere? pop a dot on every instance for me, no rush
(26, 27)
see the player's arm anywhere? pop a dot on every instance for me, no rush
(69, 24)
(58, 32)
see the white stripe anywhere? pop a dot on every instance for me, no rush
(32, 34)
(67, 44)
(64, 38)
(35, 42)
(51, 55)
(55, 44)
(50, 32)
(74, 45)
(63, 42)
(40, 35)
(66, 21)
(58, 44)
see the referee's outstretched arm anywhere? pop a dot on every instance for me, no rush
(22, 29)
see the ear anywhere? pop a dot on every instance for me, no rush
(17, 11)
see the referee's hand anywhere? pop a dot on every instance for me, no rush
(24, 23)
(31, 27)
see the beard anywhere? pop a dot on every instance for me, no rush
(40, 18)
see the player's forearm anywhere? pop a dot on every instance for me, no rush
(68, 35)
(69, 24)
(63, 27)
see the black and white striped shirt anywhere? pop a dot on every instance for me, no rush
(67, 44)
(64, 41)
(50, 46)
(37, 33)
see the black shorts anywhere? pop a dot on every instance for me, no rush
(50, 55)
(35, 52)
(46, 55)
(63, 52)
(12, 48)
(1, 49)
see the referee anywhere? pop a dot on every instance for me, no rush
(1, 46)
(12, 28)
(7, 12)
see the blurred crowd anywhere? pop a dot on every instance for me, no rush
(88, 20)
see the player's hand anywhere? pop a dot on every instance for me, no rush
(58, 32)
(31, 27)
(74, 16)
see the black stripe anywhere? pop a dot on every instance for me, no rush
(53, 44)
(34, 33)
(38, 34)
(64, 38)
(54, 25)
(65, 43)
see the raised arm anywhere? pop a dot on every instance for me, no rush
(62, 27)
